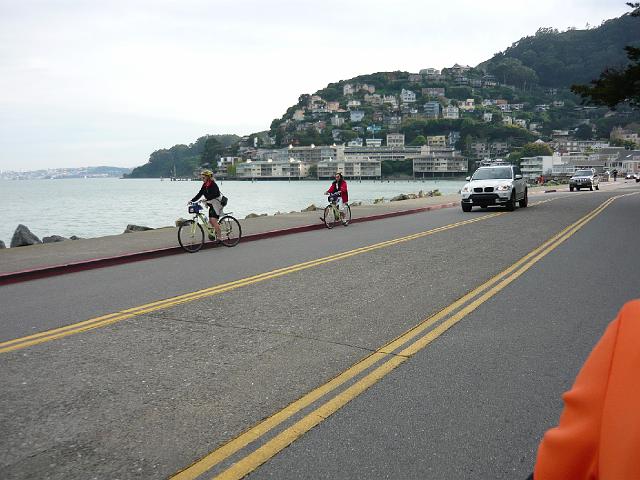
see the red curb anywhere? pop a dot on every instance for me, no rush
(54, 270)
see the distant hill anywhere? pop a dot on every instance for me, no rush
(560, 59)
(179, 160)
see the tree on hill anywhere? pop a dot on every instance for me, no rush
(212, 151)
(615, 85)
(560, 59)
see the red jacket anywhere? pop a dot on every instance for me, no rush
(599, 432)
(344, 194)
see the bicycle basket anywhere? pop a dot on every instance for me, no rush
(194, 208)
(334, 196)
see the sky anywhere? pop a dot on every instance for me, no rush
(86, 83)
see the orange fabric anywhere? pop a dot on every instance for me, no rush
(598, 436)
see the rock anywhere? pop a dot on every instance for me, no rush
(310, 208)
(355, 204)
(400, 197)
(378, 200)
(54, 239)
(435, 193)
(420, 194)
(23, 237)
(181, 221)
(2, 245)
(135, 228)
(255, 215)
(74, 237)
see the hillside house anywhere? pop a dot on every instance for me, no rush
(407, 96)
(451, 112)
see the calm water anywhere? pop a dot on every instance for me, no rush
(104, 206)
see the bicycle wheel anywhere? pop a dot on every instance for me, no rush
(191, 236)
(347, 215)
(329, 216)
(231, 232)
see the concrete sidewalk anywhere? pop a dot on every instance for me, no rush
(36, 261)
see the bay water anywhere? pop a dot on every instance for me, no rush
(94, 207)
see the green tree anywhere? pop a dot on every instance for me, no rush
(616, 86)
(213, 149)
(584, 132)
(419, 141)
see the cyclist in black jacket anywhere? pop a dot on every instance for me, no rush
(212, 195)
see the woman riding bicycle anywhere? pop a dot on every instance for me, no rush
(212, 195)
(338, 190)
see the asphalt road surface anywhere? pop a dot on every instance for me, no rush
(434, 345)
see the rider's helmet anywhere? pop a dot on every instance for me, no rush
(206, 173)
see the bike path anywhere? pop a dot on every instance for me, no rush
(37, 261)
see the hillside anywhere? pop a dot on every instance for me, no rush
(560, 59)
(182, 160)
(495, 108)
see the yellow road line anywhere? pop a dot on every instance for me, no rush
(254, 433)
(109, 319)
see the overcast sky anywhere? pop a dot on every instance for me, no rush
(107, 83)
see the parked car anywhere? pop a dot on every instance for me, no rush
(495, 185)
(632, 176)
(587, 178)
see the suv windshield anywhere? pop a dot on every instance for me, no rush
(492, 173)
(583, 173)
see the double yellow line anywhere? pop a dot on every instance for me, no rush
(387, 354)
(104, 320)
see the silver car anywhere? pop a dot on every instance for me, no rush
(495, 185)
(587, 178)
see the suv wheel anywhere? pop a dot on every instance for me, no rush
(511, 204)
(591, 188)
(525, 200)
(597, 187)
(466, 207)
(571, 188)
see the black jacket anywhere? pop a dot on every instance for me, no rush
(209, 193)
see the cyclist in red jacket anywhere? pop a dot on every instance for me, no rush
(339, 190)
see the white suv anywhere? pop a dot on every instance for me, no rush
(495, 185)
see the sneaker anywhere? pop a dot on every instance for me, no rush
(212, 237)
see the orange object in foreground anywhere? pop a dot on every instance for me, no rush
(598, 436)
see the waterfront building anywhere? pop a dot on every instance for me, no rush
(373, 142)
(395, 140)
(360, 169)
(272, 170)
(442, 162)
(534, 167)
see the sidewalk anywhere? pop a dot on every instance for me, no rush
(37, 261)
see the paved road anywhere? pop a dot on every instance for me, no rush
(164, 385)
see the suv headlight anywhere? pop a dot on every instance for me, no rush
(466, 189)
(502, 188)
